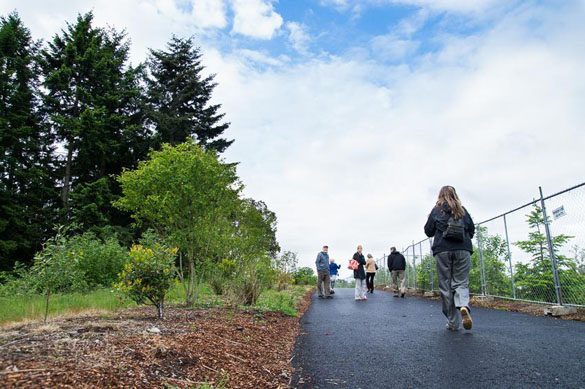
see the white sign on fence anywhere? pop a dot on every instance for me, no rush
(559, 212)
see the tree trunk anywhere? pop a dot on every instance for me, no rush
(67, 179)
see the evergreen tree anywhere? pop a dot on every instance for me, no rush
(535, 280)
(93, 100)
(27, 193)
(179, 98)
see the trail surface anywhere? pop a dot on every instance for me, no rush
(388, 342)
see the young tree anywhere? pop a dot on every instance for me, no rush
(27, 188)
(495, 259)
(535, 280)
(184, 193)
(179, 95)
(93, 101)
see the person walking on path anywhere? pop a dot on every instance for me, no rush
(371, 269)
(397, 265)
(333, 272)
(323, 278)
(452, 229)
(360, 275)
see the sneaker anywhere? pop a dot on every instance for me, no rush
(395, 295)
(332, 292)
(358, 299)
(364, 299)
(402, 295)
(321, 296)
(329, 297)
(466, 318)
(449, 328)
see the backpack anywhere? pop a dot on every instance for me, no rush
(455, 230)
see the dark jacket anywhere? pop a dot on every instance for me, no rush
(396, 261)
(437, 223)
(360, 272)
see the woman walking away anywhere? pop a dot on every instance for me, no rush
(371, 268)
(333, 272)
(452, 228)
(360, 275)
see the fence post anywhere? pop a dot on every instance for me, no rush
(481, 267)
(432, 264)
(414, 264)
(510, 258)
(421, 255)
(553, 260)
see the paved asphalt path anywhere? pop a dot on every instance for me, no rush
(388, 342)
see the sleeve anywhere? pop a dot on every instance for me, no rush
(389, 262)
(471, 228)
(430, 227)
(338, 266)
(356, 257)
(318, 259)
(361, 259)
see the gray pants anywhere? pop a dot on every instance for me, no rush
(453, 276)
(323, 283)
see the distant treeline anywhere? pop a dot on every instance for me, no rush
(74, 113)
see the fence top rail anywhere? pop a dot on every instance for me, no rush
(531, 203)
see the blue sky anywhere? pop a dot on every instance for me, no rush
(349, 115)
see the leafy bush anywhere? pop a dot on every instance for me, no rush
(305, 276)
(253, 278)
(69, 264)
(149, 275)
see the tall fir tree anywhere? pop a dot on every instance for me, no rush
(27, 190)
(178, 102)
(93, 99)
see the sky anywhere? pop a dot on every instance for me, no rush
(348, 116)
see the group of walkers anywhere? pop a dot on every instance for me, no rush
(451, 227)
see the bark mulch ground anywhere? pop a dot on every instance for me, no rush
(190, 348)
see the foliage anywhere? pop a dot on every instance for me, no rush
(535, 280)
(494, 252)
(178, 101)
(424, 269)
(184, 193)
(149, 275)
(75, 263)
(92, 98)
(254, 276)
(306, 276)
(285, 265)
(27, 193)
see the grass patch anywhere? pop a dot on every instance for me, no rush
(32, 307)
(15, 308)
(284, 301)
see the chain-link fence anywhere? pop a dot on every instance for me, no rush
(533, 253)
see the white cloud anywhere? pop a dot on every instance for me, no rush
(209, 13)
(298, 36)
(390, 47)
(255, 18)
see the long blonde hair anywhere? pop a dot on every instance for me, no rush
(449, 195)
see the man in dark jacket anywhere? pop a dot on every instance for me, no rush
(397, 265)
(323, 278)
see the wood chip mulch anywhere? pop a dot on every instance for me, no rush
(131, 349)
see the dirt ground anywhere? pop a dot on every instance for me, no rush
(131, 348)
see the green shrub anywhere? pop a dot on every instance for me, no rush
(149, 275)
(304, 276)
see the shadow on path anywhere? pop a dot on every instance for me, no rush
(388, 342)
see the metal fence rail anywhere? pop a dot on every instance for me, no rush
(533, 253)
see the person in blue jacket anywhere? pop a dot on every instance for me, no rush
(333, 273)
